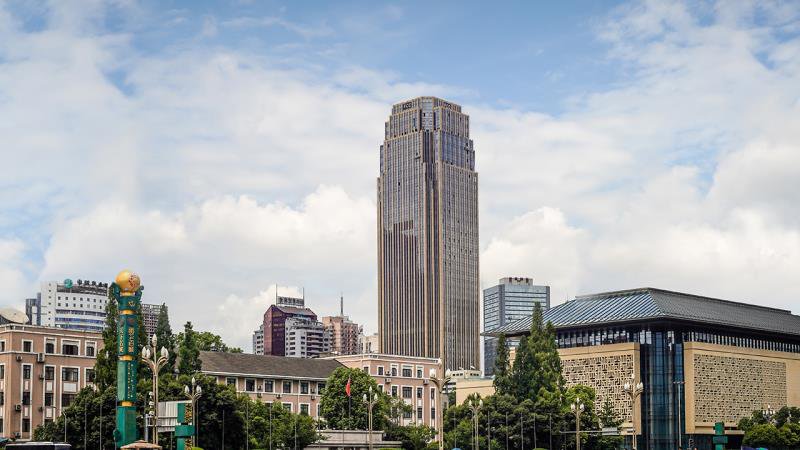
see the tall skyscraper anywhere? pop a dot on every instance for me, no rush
(150, 314)
(512, 299)
(428, 234)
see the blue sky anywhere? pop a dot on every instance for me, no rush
(221, 149)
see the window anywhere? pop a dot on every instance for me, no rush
(26, 398)
(69, 348)
(90, 375)
(365, 369)
(407, 414)
(26, 372)
(269, 386)
(69, 374)
(288, 406)
(406, 391)
(50, 347)
(67, 399)
(433, 393)
(27, 346)
(48, 399)
(394, 391)
(26, 425)
(380, 370)
(2, 398)
(2, 371)
(304, 409)
(419, 413)
(419, 372)
(249, 385)
(287, 387)
(304, 387)
(419, 392)
(407, 372)
(90, 349)
(2, 346)
(320, 388)
(433, 413)
(380, 388)
(394, 371)
(1, 426)
(230, 381)
(49, 373)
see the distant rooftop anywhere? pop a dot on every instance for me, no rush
(266, 365)
(650, 303)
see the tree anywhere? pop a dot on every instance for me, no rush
(413, 437)
(502, 379)
(609, 419)
(105, 367)
(165, 337)
(189, 351)
(781, 431)
(350, 413)
(587, 396)
(87, 404)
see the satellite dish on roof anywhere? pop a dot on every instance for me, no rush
(10, 315)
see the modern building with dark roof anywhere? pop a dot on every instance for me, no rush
(702, 360)
(294, 382)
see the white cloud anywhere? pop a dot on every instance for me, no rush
(217, 173)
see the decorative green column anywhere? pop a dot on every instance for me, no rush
(127, 291)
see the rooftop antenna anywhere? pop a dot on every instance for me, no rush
(341, 304)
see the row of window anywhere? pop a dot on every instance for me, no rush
(268, 386)
(67, 347)
(70, 374)
(405, 371)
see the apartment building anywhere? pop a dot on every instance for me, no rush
(294, 382)
(41, 371)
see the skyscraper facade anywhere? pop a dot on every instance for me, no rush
(513, 298)
(428, 234)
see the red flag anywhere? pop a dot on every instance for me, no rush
(347, 387)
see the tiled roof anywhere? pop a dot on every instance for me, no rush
(266, 365)
(650, 303)
(294, 310)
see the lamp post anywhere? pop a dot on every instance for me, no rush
(577, 408)
(194, 394)
(633, 392)
(440, 383)
(475, 407)
(370, 400)
(155, 362)
(768, 413)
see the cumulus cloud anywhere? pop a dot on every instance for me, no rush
(217, 172)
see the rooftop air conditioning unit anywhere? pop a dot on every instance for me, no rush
(17, 407)
(40, 357)
(19, 358)
(425, 381)
(387, 380)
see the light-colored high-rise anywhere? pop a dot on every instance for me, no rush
(428, 234)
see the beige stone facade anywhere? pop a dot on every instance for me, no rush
(406, 377)
(41, 371)
(606, 368)
(728, 383)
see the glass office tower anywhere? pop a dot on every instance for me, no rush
(513, 298)
(428, 234)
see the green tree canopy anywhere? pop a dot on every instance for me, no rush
(188, 351)
(105, 366)
(165, 337)
(502, 372)
(350, 413)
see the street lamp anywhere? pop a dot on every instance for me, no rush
(633, 392)
(440, 383)
(194, 394)
(577, 408)
(156, 362)
(370, 400)
(768, 413)
(475, 407)
(679, 385)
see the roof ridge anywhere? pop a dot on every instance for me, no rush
(723, 301)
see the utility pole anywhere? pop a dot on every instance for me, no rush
(577, 408)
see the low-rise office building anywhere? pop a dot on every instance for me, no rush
(701, 360)
(41, 371)
(406, 377)
(294, 382)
